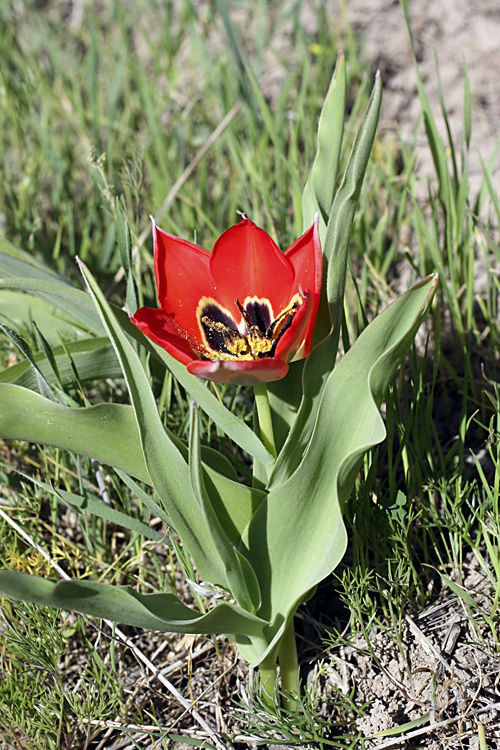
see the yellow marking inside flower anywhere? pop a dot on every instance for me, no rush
(259, 343)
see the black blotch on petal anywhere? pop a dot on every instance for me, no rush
(260, 313)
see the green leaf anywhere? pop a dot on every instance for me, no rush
(163, 612)
(321, 361)
(297, 536)
(336, 245)
(109, 434)
(106, 432)
(234, 427)
(317, 198)
(165, 463)
(321, 183)
(79, 306)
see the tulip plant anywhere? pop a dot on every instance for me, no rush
(246, 313)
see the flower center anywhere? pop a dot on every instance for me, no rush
(255, 337)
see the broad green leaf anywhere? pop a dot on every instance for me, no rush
(163, 612)
(106, 432)
(80, 305)
(109, 434)
(297, 536)
(321, 362)
(94, 359)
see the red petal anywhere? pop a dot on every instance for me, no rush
(182, 277)
(245, 262)
(245, 372)
(292, 343)
(307, 260)
(161, 329)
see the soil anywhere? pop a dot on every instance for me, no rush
(450, 37)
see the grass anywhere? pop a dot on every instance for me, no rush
(109, 115)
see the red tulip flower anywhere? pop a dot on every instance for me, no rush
(239, 313)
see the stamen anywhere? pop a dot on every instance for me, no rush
(254, 338)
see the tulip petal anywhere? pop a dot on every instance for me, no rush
(292, 344)
(307, 260)
(161, 328)
(240, 372)
(245, 262)
(183, 276)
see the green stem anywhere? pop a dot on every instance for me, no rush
(268, 681)
(265, 418)
(289, 667)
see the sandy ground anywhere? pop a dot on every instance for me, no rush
(456, 34)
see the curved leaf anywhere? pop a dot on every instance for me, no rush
(106, 432)
(164, 457)
(79, 307)
(109, 434)
(303, 516)
(163, 612)
(321, 361)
